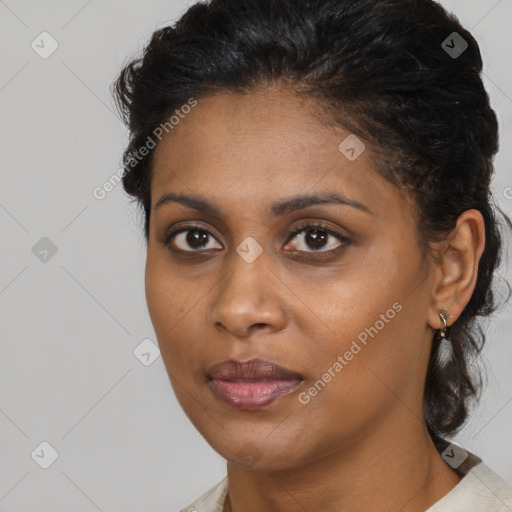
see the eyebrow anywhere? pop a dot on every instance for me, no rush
(282, 207)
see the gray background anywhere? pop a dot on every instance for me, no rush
(70, 324)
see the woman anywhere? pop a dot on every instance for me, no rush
(321, 238)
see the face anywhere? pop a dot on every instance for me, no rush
(334, 291)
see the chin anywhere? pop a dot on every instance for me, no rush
(259, 452)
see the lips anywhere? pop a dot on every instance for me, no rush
(255, 369)
(251, 384)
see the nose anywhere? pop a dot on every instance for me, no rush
(249, 298)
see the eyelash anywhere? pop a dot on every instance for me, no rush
(303, 227)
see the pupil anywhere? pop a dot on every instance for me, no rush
(315, 240)
(196, 238)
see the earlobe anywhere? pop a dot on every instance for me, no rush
(457, 268)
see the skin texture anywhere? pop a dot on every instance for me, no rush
(360, 443)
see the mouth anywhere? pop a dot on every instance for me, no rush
(252, 384)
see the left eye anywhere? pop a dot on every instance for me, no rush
(316, 237)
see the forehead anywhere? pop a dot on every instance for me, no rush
(226, 124)
(259, 146)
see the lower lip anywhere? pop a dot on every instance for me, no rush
(250, 395)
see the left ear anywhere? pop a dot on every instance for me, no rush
(456, 269)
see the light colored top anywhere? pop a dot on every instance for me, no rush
(479, 490)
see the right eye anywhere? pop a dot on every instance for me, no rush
(188, 237)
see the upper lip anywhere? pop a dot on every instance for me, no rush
(254, 369)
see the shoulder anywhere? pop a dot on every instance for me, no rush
(212, 500)
(480, 490)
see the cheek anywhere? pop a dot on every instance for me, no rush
(169, 298)
(346, 396)
(354, 302)
(170, 304)
(370, 320)
(161, 297)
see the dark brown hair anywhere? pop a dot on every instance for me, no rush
(384, 69)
